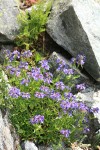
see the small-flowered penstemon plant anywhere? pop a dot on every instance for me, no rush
(42, 107)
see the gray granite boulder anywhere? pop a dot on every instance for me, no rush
(75, 26)
(8, 141)
(8, 20)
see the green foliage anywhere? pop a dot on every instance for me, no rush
(22, 109)
(32, 23)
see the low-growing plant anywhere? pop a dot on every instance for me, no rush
(32, 23)
(42, 108)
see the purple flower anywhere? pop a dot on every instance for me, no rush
(66, 133)
(55, 95)
(25, 81)
(61, 64)
(68, 71)
(94, 110)
(65, 105)
(39, 95)
(48, 77)
(69, 96)
(60, 85)
(86, 130)
(80, 86)
(25, 95)
(47, 80)
(44, 64)
(27, 54)
(85, 120)
(37, 119)
(23, 65)
(15, 71)
(7, 53)
(14, 92)
(12, 71)
(73, 60)
(35, 69)
(80, 60)
(45, 89)
(36, 74)
(14, 54)
(83, 107)
(9, 67)
(74, 105)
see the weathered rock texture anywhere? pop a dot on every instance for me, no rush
(75, 25)
(27, 145)
(92, 99)
(8, 141)
(8, 20)
(53, 63)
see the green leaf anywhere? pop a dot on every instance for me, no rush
(37, 57)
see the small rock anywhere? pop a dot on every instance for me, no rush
(27, 145)
(8, 140)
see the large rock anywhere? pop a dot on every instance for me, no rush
(8, 20)
(75, 26)
(8, 141)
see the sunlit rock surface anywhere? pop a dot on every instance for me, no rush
(8, 138)
(75, 26)
(8, 20)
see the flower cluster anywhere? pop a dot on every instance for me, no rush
(47, 96)
(25, 95)
(11, 56)
(37, 119)
(23, 65)
(80, 60)
(27, 54)
(36, 74)
(60, 85)
(44, 64)
(39, 95)
(13, 71)
(73, 105)
(14, 92)
(66, 133)
(80, 87)
(69, 96)
(63, 67)
(25, 82)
